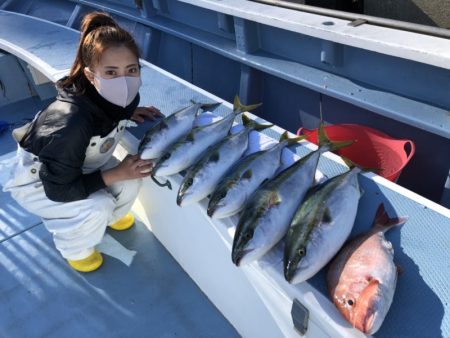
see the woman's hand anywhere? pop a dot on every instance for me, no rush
(130, 168)
(141, 113)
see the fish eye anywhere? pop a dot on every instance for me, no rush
(350, 302)
(189, 181)
(248, 236)
(166, 156)
(301, 252)
(223, 194)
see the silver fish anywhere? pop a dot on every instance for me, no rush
(190, 148)
(269, 210)
(201, 179)
(245, 177)
(166, 131)
(362, 277)
(320, 226)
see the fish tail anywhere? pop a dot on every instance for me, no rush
(324, 140)
(290, 140)
(252, 124)
(238, 107)
(165, 184)
(383, 222)
(210, 106)
(328, 145)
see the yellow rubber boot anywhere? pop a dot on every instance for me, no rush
(88, 264)
(124, 223)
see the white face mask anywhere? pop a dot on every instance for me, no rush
(121, 90)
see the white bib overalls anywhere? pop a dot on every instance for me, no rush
(78, 226)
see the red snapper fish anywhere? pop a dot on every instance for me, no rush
(362, 277)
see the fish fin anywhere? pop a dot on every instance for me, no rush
(190, 137)
(238, 107)
(290, 140)
(383, 221)
(252, 124)
(326, 217)
(246, 120)
(274, 199)
(370, 289)
(311, 191)
(247, 174)
(322, 135)
(214, 157)
(210, 106)
(324, 140)
(163, 125)
(400, 270)
(335, 145)
(165, 184)
(264, 182)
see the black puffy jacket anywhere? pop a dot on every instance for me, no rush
(60, 136)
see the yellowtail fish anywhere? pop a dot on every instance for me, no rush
(320, 226)
(169, 129)
(245, 177)
(188, 150)
(202, 178)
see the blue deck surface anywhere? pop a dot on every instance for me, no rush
(40, 295)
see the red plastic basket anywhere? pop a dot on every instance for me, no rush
(372, 148)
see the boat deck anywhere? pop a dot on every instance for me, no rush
(40, 295)
(154, 296)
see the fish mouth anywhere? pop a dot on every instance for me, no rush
(239, 255)
(366, 317)
(289, 271)
(216, 212)
(210, 211)
(366, 325)
(288, 276)
(186, 199)
(179, 199)
(236, 258)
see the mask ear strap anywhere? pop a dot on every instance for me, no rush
(90, 72)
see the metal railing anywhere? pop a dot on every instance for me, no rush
(358, 19)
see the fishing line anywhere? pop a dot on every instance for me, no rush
(320, 106)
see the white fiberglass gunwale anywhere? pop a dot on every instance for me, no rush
(130, 143)
(413, 46)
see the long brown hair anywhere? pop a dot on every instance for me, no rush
(99, 32)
